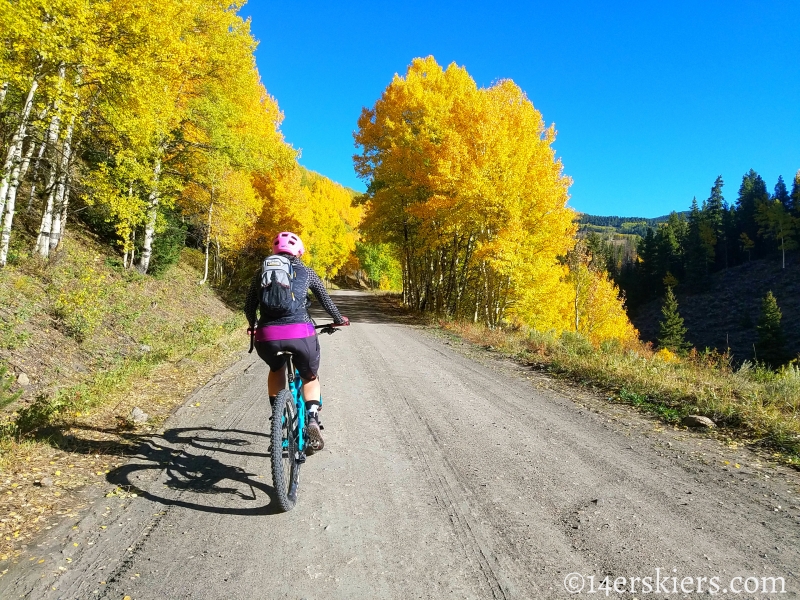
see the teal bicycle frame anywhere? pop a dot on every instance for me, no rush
(290, 427)
(296, 389)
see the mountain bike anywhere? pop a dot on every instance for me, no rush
(289, 436)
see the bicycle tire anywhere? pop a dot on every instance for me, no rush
(285, 466)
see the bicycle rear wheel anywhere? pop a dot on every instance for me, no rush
(285, 466)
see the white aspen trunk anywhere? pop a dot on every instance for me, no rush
(8, 220)
(128, 243)
(43, 240)
(15, 149)
(61, 199)
(64, 213)
(3, 92)
(208, 236)
(150, 225)
(52, 136)
(36, 165)
(783, 250)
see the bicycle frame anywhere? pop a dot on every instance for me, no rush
(290, 429)
(296, 389)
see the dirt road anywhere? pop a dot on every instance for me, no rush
(447, 473)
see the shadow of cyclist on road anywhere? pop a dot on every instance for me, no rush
(193, 477)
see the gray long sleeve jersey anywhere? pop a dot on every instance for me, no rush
(305, 279)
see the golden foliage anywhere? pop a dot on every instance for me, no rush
(465, 183)
(321, 211)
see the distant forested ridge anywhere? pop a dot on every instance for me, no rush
(619, 225)
(618, 222)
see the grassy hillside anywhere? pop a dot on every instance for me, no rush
(84, 341)
(726, 315)
(618, 225)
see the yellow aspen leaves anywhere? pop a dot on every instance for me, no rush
(464, 183)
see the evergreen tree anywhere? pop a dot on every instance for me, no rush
(700, 242)
(796, 194)
(782, 194)
(669, 240)
(729, 236)
(671, 332)
(752, 192)
(648, 267)
(715, 211)
(771, 344)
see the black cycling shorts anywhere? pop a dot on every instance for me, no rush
(305, 355)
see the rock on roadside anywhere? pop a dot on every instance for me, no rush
(139, 416)
(698, 422)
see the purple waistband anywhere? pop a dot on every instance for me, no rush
(294, 331)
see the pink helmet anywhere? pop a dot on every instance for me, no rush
(288, 242)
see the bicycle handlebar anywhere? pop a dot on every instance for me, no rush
(330, 328)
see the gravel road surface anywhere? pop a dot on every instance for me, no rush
(447, 473)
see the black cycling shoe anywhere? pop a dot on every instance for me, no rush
(313, 433)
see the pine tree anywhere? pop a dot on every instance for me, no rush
(672, 333)
(771, 345)
(647, 250)
(700, 243)
(796, 195)
(715, 210)
(752, 192)
(782, 194)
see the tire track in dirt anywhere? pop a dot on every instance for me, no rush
(451, 495)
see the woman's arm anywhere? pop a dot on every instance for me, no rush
(252, 301)
(318, 288)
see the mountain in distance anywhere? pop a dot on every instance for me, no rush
(620, 225)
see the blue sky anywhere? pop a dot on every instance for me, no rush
(651, 100)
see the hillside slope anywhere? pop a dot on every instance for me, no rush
(726, 315)
(63, 322)
(84, 342)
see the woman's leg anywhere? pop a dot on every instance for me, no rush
(311, 390)
(306, 359)
(277, 381)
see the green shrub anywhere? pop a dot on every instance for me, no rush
(168, 242)
(80, 309)
(576, 343)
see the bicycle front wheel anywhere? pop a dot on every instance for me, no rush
(285, 466)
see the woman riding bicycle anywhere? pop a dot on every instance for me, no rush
(293, 331)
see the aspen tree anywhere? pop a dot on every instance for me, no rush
(464, 182)
(8, 218)
(15, 148)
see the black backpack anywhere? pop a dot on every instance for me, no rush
(277, 296)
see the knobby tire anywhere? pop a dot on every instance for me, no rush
(285, 468)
